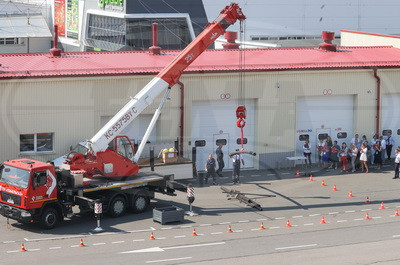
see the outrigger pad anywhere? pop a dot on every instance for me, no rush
(243, 152)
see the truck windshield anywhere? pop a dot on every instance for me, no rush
(14, 176)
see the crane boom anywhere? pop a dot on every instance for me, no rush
(168, 77)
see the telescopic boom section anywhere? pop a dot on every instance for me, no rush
(168, 77)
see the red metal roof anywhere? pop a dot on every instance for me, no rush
(141, 62)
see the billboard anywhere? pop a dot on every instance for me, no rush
(59, 16)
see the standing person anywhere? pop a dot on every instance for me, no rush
(378, 155)
(363, 157)
(307, 152)
(329, 143)
(236, 158)
(353, 155)
(389, 145)
(320, 147)
(373, 148)
(397, 162)
(344, 152)
(335, 154)
(210, 168)
(220, 160)
(383, 147)
(356, 140)
(325, 156)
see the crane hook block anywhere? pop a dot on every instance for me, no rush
(240, 123)
(241, 112)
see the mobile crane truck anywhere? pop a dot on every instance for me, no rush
(35, 191)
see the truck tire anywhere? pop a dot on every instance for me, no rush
(117, 207)
(49, 218)
(139, 203)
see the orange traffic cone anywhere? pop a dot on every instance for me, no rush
(323, 183)
(229, 229)
(152, 236)
(334, 188)
(382, 207)
(366, 216)
(194, 232)
(297, 173)
(22, 249)
(396, 213)
(310, 179)
(81, 243)
(322, 220)
(350, 194)
(367, 201)
(288, 223)
(262, 226)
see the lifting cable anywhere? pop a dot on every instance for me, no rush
(241, 109)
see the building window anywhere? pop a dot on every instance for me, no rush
(36, 142)
(303, 137)
(220, 141)
(200, 143)
(112, 34)
(10, 41)
(341, 135)
(239, 141)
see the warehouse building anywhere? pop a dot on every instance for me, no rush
(49, 103)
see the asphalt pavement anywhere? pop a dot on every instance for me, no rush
(326, 226)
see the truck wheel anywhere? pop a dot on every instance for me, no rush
(117, 207)
(140, 203)
(49, 218)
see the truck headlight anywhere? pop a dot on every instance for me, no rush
(25, 214)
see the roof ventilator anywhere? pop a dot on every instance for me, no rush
(230, 37)
(156, 50)
(327, 45)
(55, 51)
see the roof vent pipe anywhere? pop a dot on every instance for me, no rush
(230, 37)
(156, 50)
(55, 51)
(327, 45)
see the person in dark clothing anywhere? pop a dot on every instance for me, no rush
(236, 158)
(210, 168)
(220, 160)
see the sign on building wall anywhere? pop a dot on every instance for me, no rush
(116, 5)
(59, 16)
(73, 19)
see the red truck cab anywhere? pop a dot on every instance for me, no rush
(26, 187)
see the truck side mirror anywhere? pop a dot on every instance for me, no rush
(39, 179)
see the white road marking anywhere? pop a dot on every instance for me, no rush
(7, 242)
(216, 233)
(34, 249)
(341, 221)
(256, 175)
(197, 245)
(333, 213)
(376, 217)
(200, 234)
(316, 214)
(352, 211)
(166, 228)
(398, 206)
(297, 216)
(279, 218)
(161, 238)
(263, 219)
(244, 221)
(12, 251)
(274, 227)
(309, 224)
(301, 246)
(55, 248)
(255, 229)
(164, 260)
(294, 225)
(238, 231)
(205, 225)
(179, 236)
(51, 238)
(117, 242)
(358, 219)
(396, 236)
(137, 240)
(98, 244)
(270, 174)
(186, 226)
(364, 210)
(137, 231)
(285, 173)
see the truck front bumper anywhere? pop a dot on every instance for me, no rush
(11, 212)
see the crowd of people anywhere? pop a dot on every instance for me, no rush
(359, 154)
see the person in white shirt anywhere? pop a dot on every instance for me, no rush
(236, 158)
(389, 145)
(356, 141)
(373, 148)
(307, 152)
(383, 147)
(397, 162)
(353, 155)
(363, 157)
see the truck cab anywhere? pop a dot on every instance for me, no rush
(27, 188)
